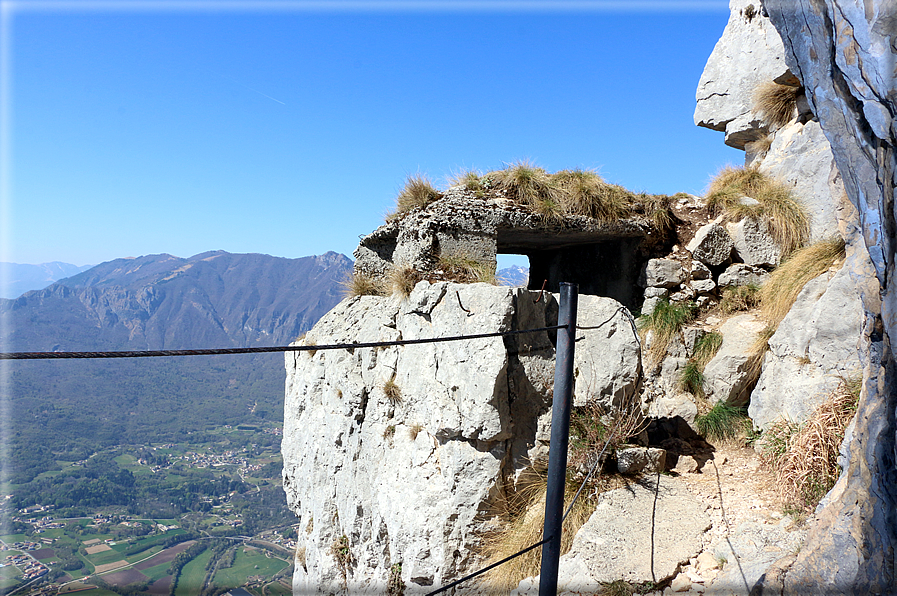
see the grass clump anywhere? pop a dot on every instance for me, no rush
(418, 192)
(775, 103)
(363, 285)
(392, 391)
(656, 208)
(584, 192)
(723, 422)
(780, 291)
(523, 528)
(692, 377)
(785, 217)
(414, 430)
(805, 456)
(403, 279)
(343, 555)
(592, 427)
(533, 187)
(665, 321)
(739, 298)
(464, 269)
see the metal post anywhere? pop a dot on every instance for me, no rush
(560, 434)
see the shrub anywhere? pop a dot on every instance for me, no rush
(805, 457)
(778, 294)
(785, 217)
(775, 103)
(665, 321)
(464, 269)
(343, 555)
(723, 422)
(739, 298)
(363, 285)
(583, 192)
(591, 427)
(395, 586)
(418, 192)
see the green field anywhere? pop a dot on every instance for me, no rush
(157, 572)
(192, 575)
(249, 561)
(10, 538)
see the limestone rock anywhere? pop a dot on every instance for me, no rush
(753, 244)
(406, 478)
(699, 270)
(814, 346)
(751, 549)
(670, 405)
(844, 52)
(703, 286)
(740, 274)
(727, 377)
(607, 361)
(663, 273)
(711, 245)
(801, 157)
(752, 48)
(636, 460)
(622, 524)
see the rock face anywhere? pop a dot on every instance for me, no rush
(399, 452)
(843, 53)
(750, 47)
(811, 351)
(727, 376)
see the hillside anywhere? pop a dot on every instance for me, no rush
(213, 299)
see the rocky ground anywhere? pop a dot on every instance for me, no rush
(750, 529)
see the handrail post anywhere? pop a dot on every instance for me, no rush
(560, 434)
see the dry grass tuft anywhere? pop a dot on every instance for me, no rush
(776, 104)
(805, 457)
(414, 430)
(785, 217)
(363, 285)
(531, 186)
(464, 269)
(403, 279)
(417, 193)
(739, 298)
(778, 294)
(392, 391)
(656, 208)
(584, 192)
(524, 528)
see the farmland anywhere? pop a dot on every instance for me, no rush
(172, 518)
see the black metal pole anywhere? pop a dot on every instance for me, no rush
(560, 434)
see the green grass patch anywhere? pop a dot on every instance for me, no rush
(723, 422)
(157, 572)
(665, 321)
(10, 538)
(193, 574)
(249, 562)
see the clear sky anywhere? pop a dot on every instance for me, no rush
(287, 128)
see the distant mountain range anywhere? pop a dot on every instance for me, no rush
(22, 278)
(515, 275)
(211, 300)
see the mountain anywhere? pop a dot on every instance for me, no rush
(21, 278)
(515, 276)
(210, 300)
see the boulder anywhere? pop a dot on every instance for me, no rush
(672, 404)
(749, 52)
(663, 273)
(405, 477)
(753, 244)
(728, 376)
(711, 245)
(699, 270)
(614, 543)
(740, 274)
(703, 286)
(637, 460)
(811, 350)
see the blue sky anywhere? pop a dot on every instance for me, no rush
(287, 128)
